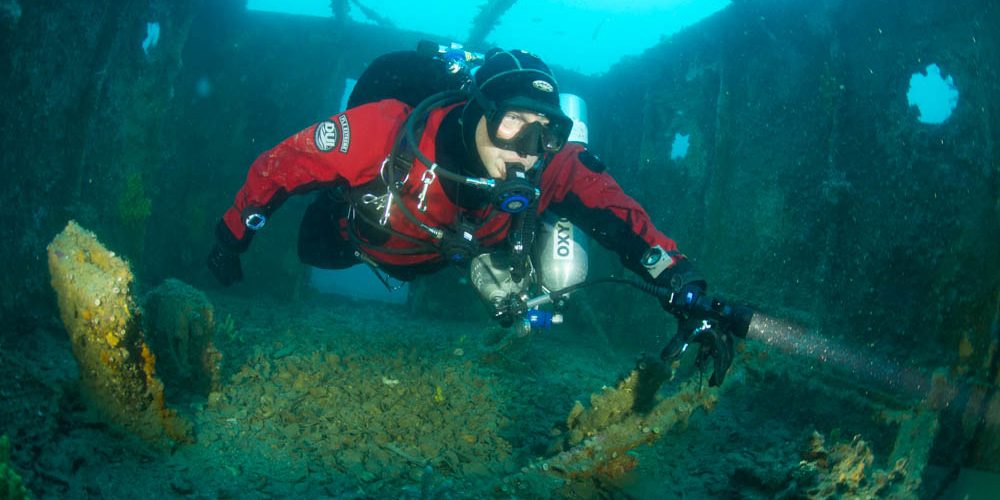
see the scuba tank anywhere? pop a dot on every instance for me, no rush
(559, 261)
(502, 290)
(561, 254)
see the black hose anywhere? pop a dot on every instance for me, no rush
(522, 239)
(420, 114)
(735, 316)
(656, 291)
(408, 135)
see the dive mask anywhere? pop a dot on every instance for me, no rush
(528, 131)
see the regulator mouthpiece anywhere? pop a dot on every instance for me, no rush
(515, 193)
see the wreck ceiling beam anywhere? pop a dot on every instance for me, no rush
(374, 16)
(487, 19)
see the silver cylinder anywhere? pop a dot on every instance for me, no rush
(561, 253)
(490, 275)
(576, 108)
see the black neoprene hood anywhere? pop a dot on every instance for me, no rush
(516, 76)
(513, 79)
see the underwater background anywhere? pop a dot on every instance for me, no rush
(785, 144)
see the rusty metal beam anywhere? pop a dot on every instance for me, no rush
(487, 19)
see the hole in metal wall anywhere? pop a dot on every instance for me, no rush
(679, 149)
(933, 94)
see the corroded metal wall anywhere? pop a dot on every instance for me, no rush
(148, 146)
(85, 118)
(810, 188)
(810, 184)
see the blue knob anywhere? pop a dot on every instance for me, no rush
(539, 319)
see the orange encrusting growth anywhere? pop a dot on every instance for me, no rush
(117, 369)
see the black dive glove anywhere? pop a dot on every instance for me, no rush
(698, 320)
(224, 259)
(225, 265)
(715, 342)
(686, 283)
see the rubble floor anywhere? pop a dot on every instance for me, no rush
(743, 448)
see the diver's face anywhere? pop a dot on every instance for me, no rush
(495, 159)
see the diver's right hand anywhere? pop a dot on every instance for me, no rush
(225, 265)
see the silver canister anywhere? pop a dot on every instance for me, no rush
(576, 108)
(561, 253)
(490, 275)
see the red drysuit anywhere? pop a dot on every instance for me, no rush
(351, 147)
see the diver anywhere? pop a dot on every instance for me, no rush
(410, 191)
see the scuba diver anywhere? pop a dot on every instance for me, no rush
(465, 173)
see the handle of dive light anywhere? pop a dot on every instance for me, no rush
(736, 318)
(692, 302)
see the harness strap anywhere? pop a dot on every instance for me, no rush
(354, 233)
(386, 189)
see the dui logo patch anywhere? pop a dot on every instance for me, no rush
(326, 136)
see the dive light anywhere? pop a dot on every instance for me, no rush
(692, 302)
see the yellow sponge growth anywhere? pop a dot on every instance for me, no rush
(117, 369)
(598, 439)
